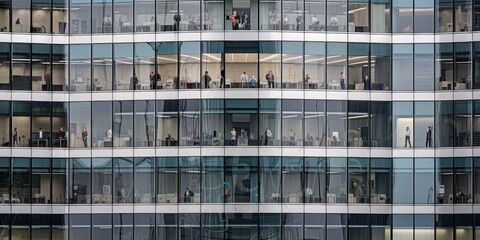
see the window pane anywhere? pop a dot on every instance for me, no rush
(358, 124)
(424, 180)
(314, 65)
(123, 16)
(445, 188)
(189, 66)
(402, 16)
(123, 124)
(444, 66)
(403, 66)
(102, 67)
(102, 180)
(189, 180)
(402, 180)
(125, 76)
(424, 16)
(189, 122)
(213, 181)
(292, 182)
(167, 180)
(424, 67)
(21, 67)
(380, 66)
(336, 123)
(80, 17)
(80, 181)
(167, 123)
(21, 112)
(463, 66)
(358, 180)
(337, 180)
(402, 124)
(80, 124)
(336, 66)
(21, 16)
(444, 128)
(103, 22)
(144, 120)
(292, 122)
(41, 180)
(80, 68)
(123, 180)
(269, 59)
(444, 15)
(212, 123)
(5, 11)
(423, 130)
(41, 11)
(241, 178)
(102, 133)
(380, 121)
(337, 15)
(358, 16)
(381, 180)
(5, 58)
(315, 123)
(144, 180)
(292, 63)
(270, 175)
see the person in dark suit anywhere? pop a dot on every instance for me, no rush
(84, 137)
(207, 79)
(222, 79)
(366, 83)
(188, 196)
(177, 18)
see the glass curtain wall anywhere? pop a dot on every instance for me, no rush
(402, 183)
(190, 183)
(241, 122)
(315, 180)
(213, 182)
(166, 75)
(270, 180)
(380, 180)
(292, 182)
(380, 120)
(293, 9)
(59, 68)
(102, 176)
(21, 11)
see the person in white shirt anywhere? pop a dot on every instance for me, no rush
(314, 19)
(333, 20)
(109, 133)
(244, 78)
(40, 133)
(107, 21)
(407, 137)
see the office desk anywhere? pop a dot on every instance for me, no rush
(38, 140)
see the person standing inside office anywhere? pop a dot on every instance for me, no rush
(233, 139)
(234, 20)
(188, 196)
(407, 137)
(207, 79)
(244, 79)
(428, 140)
(267, 135)
(270, 79)
(366, 83)
(84, 137)
(299, 20)
(15, 137)
(134, 82)
(342, 81)
(222, 79)
(46, 78)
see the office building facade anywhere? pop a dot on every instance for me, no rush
(238, 119)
